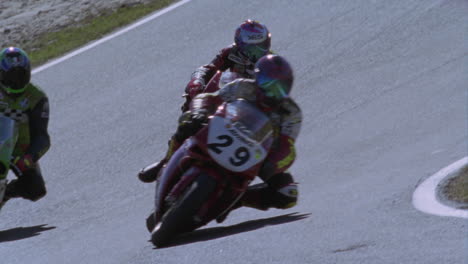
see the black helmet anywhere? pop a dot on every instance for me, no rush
(15, 70)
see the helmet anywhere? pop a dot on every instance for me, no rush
(253, 40)
(15, 70)
(274, 77)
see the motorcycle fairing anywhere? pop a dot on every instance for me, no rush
(8, 137)
(239, 136)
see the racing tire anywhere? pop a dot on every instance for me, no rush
(180, 216)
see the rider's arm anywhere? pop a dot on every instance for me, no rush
(203, 74)
(38, 123)
(239, 88)
(284, 152)
(208, 102)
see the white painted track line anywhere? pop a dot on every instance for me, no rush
(111, 36)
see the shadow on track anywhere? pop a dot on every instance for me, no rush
(18, 233)
(218, 232)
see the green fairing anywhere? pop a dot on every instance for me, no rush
(8, 137)
(24, 102)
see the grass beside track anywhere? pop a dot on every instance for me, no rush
(456, 188)
(53, 44)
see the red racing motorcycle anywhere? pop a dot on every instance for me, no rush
(211, 171)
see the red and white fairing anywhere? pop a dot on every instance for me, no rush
(239, 136)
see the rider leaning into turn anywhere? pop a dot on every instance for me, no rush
(252, 41)
(28, 105)
(270, 92)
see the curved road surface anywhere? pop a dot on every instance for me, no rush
(383, 88)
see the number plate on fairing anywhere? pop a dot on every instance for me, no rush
(231, 147)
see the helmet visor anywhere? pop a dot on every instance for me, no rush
(254, 51)
(274, 89)
(15, 80)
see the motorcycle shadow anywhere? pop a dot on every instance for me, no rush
(18, 233)
(218, 232)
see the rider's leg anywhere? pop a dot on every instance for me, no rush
(29, 186)
(279, 191)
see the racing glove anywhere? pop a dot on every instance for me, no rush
(198, 119)
(194, 87)
(24, 163)
(190, 123)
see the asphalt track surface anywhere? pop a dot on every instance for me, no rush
(382, 85)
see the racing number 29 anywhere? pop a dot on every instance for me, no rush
(241, 154)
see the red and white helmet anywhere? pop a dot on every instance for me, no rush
(253, 40)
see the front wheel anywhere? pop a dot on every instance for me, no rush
(3, 185)
(180, 216)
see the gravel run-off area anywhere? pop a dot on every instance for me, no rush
(21, 21)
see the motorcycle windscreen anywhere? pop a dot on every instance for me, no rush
(241, 138)
(7, 143)
(227, 77)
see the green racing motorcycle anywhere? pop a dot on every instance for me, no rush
(8, 138)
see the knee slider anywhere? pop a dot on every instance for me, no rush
(31, 186)
(286, 197)
(35, 194)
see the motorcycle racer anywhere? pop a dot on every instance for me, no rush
(28, 105)
(270, 92)
(252, 40)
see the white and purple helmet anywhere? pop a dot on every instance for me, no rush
(253, 40)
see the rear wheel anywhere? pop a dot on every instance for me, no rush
(180, 216)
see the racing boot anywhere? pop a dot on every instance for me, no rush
(280, 192)
(10, 192)
(151, 173)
